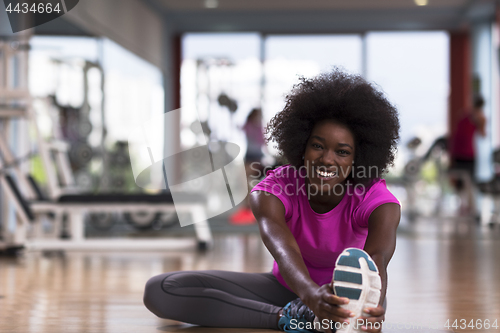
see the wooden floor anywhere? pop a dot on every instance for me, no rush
(442, 270)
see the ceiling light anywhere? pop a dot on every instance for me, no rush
(211, 3)
(421, 2)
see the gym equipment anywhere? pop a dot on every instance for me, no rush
(102, 221)
(437, 153)
(14, 101)
(144, 220)
(64, 197)
(74, 206)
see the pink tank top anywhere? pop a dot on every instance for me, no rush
(322, 237)
(462, 146)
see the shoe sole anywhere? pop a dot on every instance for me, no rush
(356, 277)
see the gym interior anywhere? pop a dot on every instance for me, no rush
(106, 113)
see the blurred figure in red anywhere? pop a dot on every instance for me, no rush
(463, 154)
(253, 162)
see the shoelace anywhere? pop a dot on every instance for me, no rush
(297, 309)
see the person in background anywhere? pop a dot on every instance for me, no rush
(253, 162)
(463, 154)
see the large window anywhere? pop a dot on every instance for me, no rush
(410, 67)
(92, 93)
(216, 65)
(287, 58)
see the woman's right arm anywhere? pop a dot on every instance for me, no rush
(277, 237)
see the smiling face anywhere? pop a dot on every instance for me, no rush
(329, 155)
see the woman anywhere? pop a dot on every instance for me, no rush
(339, 135)
(253, 162)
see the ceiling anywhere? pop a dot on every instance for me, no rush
(308, 16)
(279, 5)
(321, 16)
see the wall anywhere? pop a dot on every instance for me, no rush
(130, 23)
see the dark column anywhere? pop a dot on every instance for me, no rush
(460, 77)
(176, 70)
(171, 83)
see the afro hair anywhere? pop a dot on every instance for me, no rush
(349, 100)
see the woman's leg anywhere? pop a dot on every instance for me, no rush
(217, 298)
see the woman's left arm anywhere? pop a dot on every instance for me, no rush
(380, 245)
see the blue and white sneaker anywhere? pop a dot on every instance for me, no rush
(356, 277)
(296, 317)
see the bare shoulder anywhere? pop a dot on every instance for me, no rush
(265, 204)
(386, 214)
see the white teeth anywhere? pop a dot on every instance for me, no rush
(325, 174)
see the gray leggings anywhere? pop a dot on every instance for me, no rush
(218, 298)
